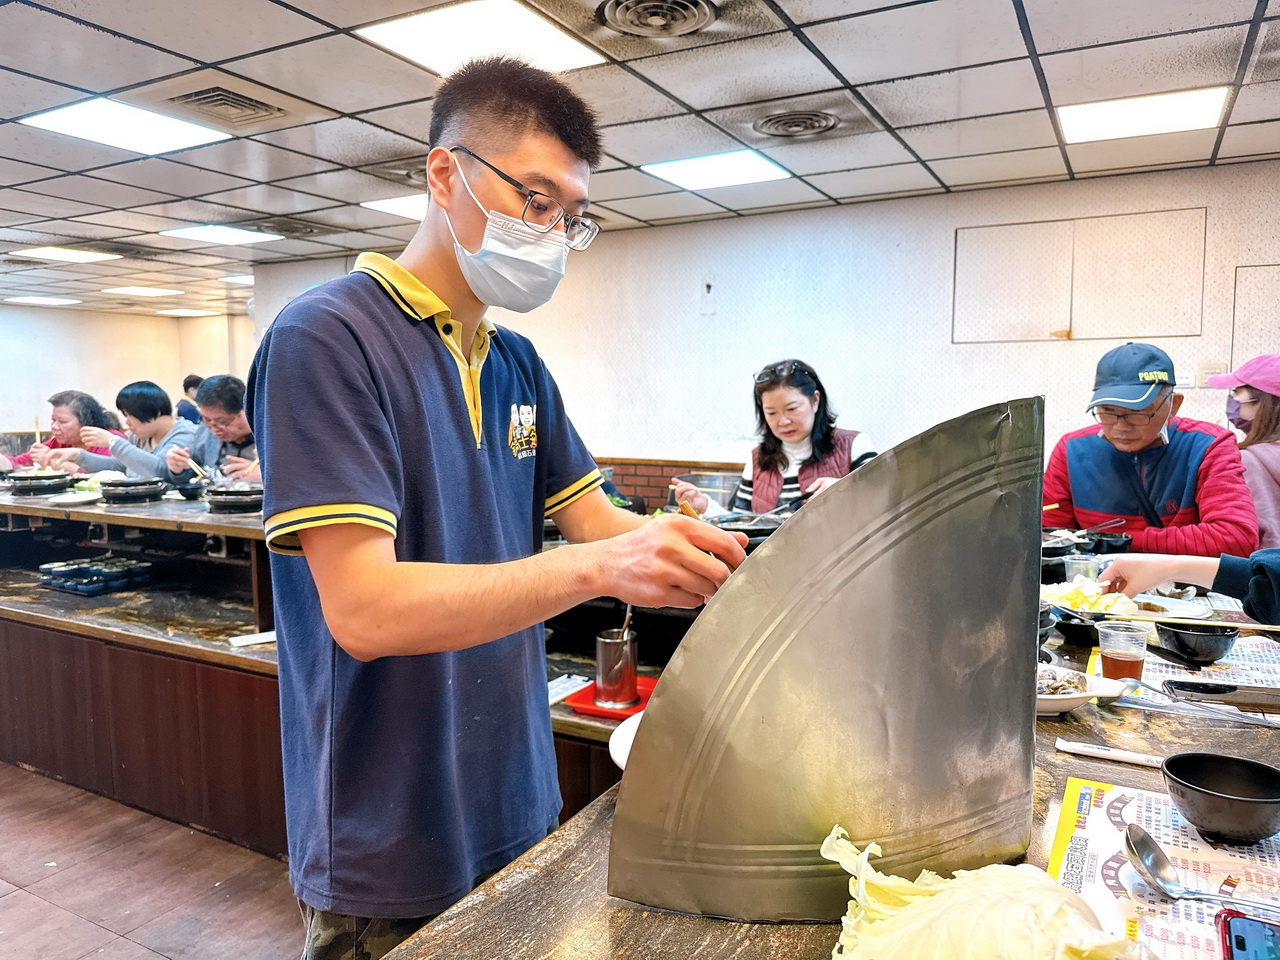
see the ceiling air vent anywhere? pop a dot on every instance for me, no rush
(410, 170)
(657, 18)
(230, 110)
(289, 227)
(797, 123)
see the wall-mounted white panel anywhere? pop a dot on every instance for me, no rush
(1013, 281)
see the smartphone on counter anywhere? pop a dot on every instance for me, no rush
(1248, 938)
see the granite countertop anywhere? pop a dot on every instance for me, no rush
(190, 516)
(551, 903)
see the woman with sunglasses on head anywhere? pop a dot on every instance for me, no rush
(801, 450)
(1254, 409)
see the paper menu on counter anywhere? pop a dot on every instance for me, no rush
(1088, 858)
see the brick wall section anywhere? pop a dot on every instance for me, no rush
(651, 478)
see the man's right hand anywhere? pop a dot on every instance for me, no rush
(671, 561)
(686, 491)
(178, 459)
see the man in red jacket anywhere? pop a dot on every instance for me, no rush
(1177, 483)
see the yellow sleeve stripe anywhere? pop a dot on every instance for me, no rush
(282, 528)
(572, 492)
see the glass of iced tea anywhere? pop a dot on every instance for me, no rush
(1123, 646)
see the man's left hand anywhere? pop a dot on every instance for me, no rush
(238, 468)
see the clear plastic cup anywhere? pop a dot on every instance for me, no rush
(1083, 566)
(1123, 645)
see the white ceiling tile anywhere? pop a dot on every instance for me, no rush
(839, 104)
(875, 180)
(608, 163)
(1205, 59)
(995, 167)
(402, 233)
(197, 211)
(10, 218)
(50, 46)
(50, 273)
(350, 13)
(344, 140)
(82, 231)
(612, 220)
(803, 11)
(22, 95)
(27, 237)
(103, 193)
(209, 30)
(1062, 24)
(998, 88)
(1257, 101)
(1009, 131)
(1142, 151)
(339, 72)
(13, 172)
(927, 37)
(892, 195)
(175, 178)
(57, 150)
(1254, 158)
(618, 184)
(617, 96)
(841, 153)
(664, 207)
(1250, 139)
(699, 218)
(270, 199)
(358, 240)
(775, 193)
(249, 158)
(24, 201)
(1266, 54)
(357, 218)
(775, 65)
(351, 186)
(674, 138)
(411, 119)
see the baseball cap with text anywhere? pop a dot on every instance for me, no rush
(1131, 376)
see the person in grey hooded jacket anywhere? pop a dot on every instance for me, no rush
(153, 431)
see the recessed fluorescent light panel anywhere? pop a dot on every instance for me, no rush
(241, 279)
(188, 313)
(412, 207)
(1142, 116)
(717, 170)
(43, 301)
(221, 235)
(144, 292)
(120, 125)
(445, 38)
(62, 253)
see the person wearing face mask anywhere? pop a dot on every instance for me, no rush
(71, 411)
(1253, 408)
(801, 450)
(405, 512)
(153, 430)
(1177, 483)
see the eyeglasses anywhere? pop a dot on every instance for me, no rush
(1133, 419)
(222, 423)
(544, 213)
(780, 371)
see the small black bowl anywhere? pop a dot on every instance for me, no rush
(1228, 799)
(1077, 631)
(1113, 543)
(1201, 645)
(193, 490)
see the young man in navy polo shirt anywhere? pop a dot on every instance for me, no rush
(405, 513)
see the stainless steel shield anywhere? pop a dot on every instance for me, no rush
(873, 665)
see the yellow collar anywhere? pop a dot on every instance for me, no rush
(419, 302)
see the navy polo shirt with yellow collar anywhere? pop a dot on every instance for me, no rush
(407, 777)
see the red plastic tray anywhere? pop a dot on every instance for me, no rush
(584, 701)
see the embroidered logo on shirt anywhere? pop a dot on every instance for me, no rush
(522, 434)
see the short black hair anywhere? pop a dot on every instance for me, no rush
(223, 391)
(497, 98)
(144, 401)
(191, 380)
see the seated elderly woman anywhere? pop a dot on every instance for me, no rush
(71, 411)
(153, 430)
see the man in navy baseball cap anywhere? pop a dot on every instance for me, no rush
(1178, 484)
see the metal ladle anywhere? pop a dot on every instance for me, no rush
(1162, 876)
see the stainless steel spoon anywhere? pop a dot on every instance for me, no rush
(1130, 686)
(1162, 876)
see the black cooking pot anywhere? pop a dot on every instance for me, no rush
(132, 489)
(34, 484)
(234, 498)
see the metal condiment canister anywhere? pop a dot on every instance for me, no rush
(616, 669)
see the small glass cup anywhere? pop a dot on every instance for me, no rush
(1123, 645)
(1087, 566)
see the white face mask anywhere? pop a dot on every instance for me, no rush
(516, 268)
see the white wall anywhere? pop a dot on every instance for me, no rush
(861, 292)
(44, 350)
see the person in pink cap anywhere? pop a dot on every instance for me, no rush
(1254, 408)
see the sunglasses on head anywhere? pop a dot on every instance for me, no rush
(780, 371)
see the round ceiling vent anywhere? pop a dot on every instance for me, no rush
(657, 18)
(799, 123)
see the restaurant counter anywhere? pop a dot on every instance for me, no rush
(552, 902)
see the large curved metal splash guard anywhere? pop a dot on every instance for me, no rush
(872, 664)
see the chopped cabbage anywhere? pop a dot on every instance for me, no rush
(1085, 594)
(998, 912)
(90, 483)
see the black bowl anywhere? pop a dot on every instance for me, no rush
(1227, 799)
(1077, 631)
(191, 491)
(1200, 645)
